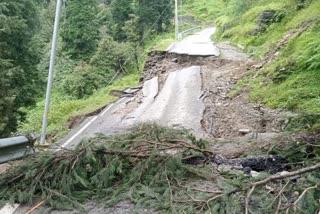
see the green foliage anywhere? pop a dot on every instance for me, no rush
(205, 10)
(120, 13)
(19, 78)
(237, 8)
(64, 108)
(291, 81)
(80, 30)
(139, 167)
(294, 75)
(82, 81)
(112, 57)
(131, 19)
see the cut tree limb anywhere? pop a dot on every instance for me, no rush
(287, 175)
(277, 177)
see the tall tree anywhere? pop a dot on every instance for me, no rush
(80, 30)
(121, 11)
(18, 75)
(130, 19)
(158, 12)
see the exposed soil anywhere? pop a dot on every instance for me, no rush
(224, 116)
(4, 168)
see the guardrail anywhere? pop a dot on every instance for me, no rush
(181, 34)
(17, 147)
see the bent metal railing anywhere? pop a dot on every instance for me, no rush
(17, 147)
(183, 33)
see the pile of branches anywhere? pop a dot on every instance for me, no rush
(148, 167)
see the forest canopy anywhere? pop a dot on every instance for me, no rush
(99, 39)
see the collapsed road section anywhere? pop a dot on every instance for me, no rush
(170, 99)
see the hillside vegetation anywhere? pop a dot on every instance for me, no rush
(291, 80)
(100, 42)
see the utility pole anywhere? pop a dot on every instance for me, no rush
(51, 70)
(176, 19)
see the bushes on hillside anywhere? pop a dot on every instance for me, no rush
(19, 78)
(112, 58)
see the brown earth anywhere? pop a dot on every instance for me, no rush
(223, 115)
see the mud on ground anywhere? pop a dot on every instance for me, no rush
(224, 116)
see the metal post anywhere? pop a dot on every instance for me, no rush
(51, 70)
(176, 19)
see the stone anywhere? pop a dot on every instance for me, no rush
(175, 60)
(254, 174)
(244, 131)
(4, 167)
(132, 90)
(241, 47)
(266, 17)
(277, 53)
(258, 66)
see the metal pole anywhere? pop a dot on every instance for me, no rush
(176, 19)
(51, 70)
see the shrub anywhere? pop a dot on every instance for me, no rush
(113, 56)
(83, 81)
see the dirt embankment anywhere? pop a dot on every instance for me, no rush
(224, 116)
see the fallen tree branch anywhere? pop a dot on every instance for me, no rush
(287, 175)
(35, 207)
(277, 177)
(294, 205)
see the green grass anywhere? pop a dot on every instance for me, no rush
(308, 14)
(63, 109)
(161, 42)
(204, 10)
(292, 80)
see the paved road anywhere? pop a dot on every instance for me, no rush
(176, 103)
(198, 44)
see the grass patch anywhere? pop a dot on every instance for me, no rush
(205, 10)
(161, 42)
(63, 109)
(294, 78)
(300, 92)
(305, 15)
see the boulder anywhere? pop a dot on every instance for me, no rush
(266, 18)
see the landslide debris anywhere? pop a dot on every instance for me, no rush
(224, 114)
(151, 167)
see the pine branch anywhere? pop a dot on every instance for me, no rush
(277, 177)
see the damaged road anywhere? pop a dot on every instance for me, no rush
(186, 87)
(170, 99)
